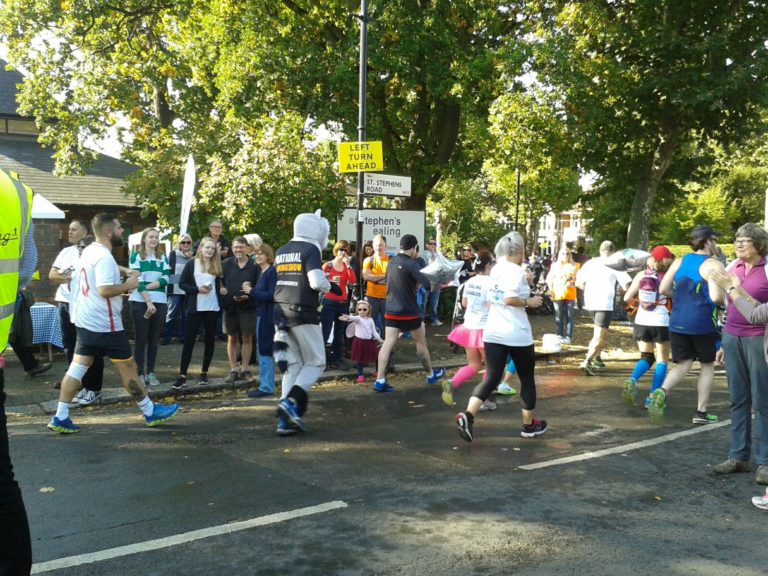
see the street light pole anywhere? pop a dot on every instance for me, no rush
(361, 135)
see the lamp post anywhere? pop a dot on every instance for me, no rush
(361, 135)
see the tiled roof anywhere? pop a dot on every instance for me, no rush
(101, 185)
(8, 90)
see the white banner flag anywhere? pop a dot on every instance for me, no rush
(187, 194)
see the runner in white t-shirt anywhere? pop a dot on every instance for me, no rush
(599, 284)
(469, 334)
(61, 271)
(96, 309)
(507, 333)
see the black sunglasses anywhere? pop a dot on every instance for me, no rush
(186, 242)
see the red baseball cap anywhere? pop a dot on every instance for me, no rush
(661, 253)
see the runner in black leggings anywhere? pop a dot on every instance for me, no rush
(507, 333)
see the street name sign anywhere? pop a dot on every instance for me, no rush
(387, 185)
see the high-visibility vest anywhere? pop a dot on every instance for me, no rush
(15, 215)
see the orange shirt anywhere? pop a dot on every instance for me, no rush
(376, 265)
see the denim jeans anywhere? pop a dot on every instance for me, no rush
(564, 317)
(747, 375)
(266, 368)
(175, 311)
(329, 320)
(433, 299)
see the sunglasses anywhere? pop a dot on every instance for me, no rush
(341, 250)
(186, 242)
(466, 249)
(363, 309)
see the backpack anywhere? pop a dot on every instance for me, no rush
(648, 290)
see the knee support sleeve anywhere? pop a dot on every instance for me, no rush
(648, 357)
(77, 371)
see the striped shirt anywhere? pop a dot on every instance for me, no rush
(151, 269)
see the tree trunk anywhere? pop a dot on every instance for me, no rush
(647, 184)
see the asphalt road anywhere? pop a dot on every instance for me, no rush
(398, 491)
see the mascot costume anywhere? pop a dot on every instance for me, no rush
(299, 347)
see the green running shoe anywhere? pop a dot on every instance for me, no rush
(658, 403)
(704, 418)
(630, 390)
(447, 395)
(506, 390)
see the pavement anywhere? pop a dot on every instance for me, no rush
(30, 395)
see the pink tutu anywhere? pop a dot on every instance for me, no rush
(467, 337)
(365, 352)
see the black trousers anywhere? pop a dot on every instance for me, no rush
(15, 544)
(496, 357)
(195, 320)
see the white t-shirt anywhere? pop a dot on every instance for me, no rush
(65, 260)
(96, 267)
(206, 302)
(476, 293)
(507, 325)
(600, 284)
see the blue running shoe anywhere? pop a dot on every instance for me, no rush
(382, 386)
(65, 426)
(647, 403)
(287, 410)
(285, 428)
(436, 375)
(161, 413)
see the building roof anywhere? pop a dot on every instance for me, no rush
(101, 185)
(8, 81)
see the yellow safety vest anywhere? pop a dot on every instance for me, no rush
(15, 215)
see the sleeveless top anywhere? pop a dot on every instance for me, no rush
(693, 311)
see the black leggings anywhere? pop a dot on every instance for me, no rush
(194, 319)
(496, 357)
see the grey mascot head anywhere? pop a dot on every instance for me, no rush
(312, 227)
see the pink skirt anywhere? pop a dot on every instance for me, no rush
(467, 337)
(365, 351)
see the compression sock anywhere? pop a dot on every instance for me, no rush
(658, 376)
(462, 375)
(641, 368)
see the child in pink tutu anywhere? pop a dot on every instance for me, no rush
(365, 348)
(469, 335)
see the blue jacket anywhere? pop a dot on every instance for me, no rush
(264, 294)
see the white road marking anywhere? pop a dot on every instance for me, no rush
(178, 539)
(624, 448)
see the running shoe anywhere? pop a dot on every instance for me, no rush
(630, 390)
(285, 428)
(232, 377)
(704, 418)
(647, 403)
(588, 368)
(288, 411)
(658, 403)
(464, 421)
(447, 395)
(203, 380)
(487, 406)
(76, 399)
(360, 378)
(151, 379)
(65, 426)
(382, 386)
(598, 363)
(761, 501)
(506, 390)
(436, 375)
(180, 383)
(535, 428)
(161, 413)
(89, 397)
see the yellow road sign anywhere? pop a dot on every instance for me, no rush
(360, 157)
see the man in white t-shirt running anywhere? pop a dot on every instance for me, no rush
(95, 309)
(599, 284)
